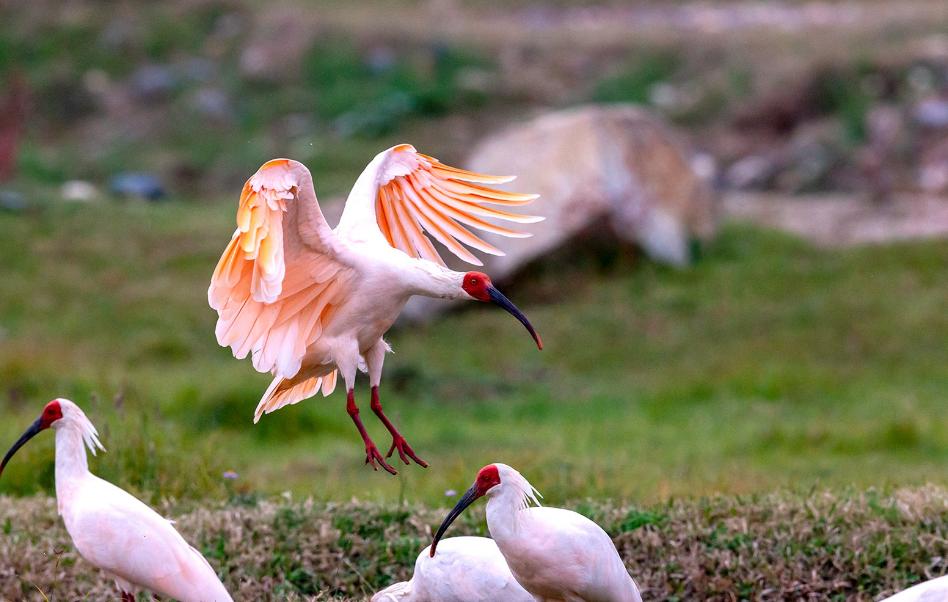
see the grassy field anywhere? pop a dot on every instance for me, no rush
(768, 365)
(816, 546)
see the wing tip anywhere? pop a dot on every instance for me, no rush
(278, 162)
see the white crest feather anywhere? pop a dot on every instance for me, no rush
(512, 478)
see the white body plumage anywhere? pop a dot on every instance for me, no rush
(933, 590)
(466, 569)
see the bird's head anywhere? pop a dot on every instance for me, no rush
(57, 414)
(492, 480)
(477, 285)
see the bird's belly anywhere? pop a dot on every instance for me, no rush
(366, 316)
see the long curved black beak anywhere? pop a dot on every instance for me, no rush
(31, 432)
(466, 500)
(499, 298)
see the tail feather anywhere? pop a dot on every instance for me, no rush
(394, 593)
(288, 391)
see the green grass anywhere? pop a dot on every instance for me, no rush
(770, 364)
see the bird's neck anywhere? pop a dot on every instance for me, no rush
(71, 463)
(432, 280)
(505, 515)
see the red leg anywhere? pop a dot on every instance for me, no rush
(398, 442)
(127, 597)
(371, 452)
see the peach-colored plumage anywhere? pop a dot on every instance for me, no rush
(306, 301)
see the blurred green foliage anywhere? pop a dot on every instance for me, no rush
(634, 81)
(368, 99)
(340, 91)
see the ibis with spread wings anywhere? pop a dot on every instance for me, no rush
(308, 302)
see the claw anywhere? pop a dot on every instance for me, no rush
(399, 443)
(372, 455)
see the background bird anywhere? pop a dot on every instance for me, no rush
(112, 529)
(308, 302)
(555, 554)
(467, 569)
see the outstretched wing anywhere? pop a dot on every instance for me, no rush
(282, 273)
(418, 196)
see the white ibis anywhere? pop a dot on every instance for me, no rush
(467, 569)
(308, 302)
(933, 590)
(555, 554)
(113, 530)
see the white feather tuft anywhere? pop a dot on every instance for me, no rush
(528, 494)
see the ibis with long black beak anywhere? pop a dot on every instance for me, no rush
(110, 528)
(308, 302)
(555, 554)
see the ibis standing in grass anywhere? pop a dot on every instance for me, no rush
(308, 302)
(466, 569)
(557, 555)
(113, 530)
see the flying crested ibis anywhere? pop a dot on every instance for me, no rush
(933, 590)
(467, 569)
(113, 530)
(308, 302)
(555, 554)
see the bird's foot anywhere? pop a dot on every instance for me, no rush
(372, 455)
(404, 450)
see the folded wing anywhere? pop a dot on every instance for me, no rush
(281, 275)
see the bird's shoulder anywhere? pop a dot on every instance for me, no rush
(569, 521)
(99, 500)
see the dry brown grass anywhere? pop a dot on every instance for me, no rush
(822, 546)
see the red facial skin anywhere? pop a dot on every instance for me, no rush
(487, 477)
(51, 413)
(476, 284)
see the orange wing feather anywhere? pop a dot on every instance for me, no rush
(434, 199)
(275, 299)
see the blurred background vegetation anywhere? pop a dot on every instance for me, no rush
(769, 364)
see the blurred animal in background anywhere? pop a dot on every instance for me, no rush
(933, 590)
(554, 554)
(113, 530)
(466, 569)
(308, 302)
(613, 172)
(14, 106)
(621, 163)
